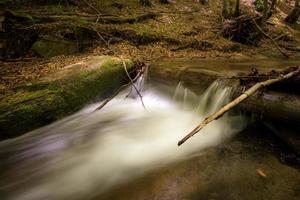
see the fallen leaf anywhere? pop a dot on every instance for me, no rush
(261, 173)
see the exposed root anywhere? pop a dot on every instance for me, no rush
(241, 29)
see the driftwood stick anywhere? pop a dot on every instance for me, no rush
(236, 101)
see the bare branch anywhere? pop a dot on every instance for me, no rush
(236, 101)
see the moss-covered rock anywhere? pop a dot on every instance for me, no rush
(50, 46)
(40, 103)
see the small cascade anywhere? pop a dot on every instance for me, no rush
(90, 152)
(178, 90)
(217, 95)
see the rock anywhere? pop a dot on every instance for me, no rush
(37, 104)
(286, 133)
(49, 46)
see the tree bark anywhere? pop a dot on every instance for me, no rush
(231, 8)
(294, 15)
(272, 8)
(237, 8)
(265, 12)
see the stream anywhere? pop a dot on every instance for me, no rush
(124, 151)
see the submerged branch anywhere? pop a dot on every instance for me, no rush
(132, 81)
(236, 101)
(133, 85)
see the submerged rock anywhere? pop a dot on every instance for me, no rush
(37, 104)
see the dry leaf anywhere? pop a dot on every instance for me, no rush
(261, 173)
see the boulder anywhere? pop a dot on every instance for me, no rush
(49, 46)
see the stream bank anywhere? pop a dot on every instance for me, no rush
(38, 103)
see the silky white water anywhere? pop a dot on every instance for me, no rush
(90, 152)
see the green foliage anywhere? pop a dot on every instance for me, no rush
(259, 5)
(145, 2)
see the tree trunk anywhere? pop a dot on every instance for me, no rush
(145, 2)
(272, 8)
(265, 12)
(229, 7)
(294, 15)
(237, 8)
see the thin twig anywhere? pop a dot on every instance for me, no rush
(95, 9)
(92, 7)
(105, 42)
(111, 97)
(273, 41)
(123, 62)
(132, 83)
(117, 92)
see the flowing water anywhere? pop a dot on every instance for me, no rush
(90, 152)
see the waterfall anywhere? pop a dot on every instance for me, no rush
(90, 152)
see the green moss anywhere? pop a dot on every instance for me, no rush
(50, 46)
(83, 21)
(41, 103)
(259, 5)
(26, 17)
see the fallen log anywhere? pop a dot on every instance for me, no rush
(84, 18)
(236, 101)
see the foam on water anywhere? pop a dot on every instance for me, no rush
(90, 152)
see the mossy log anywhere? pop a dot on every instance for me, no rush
(34, 105)
(32, 18)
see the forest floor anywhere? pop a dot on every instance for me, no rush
(182, 29)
